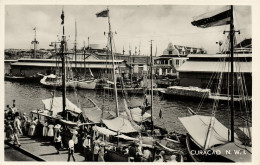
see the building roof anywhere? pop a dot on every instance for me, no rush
(54, 60)
(217, 55)
(79, 65)
(214, 66)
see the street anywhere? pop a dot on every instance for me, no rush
(14, 155)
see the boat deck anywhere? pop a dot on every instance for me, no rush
(226, 98)
(43, 150)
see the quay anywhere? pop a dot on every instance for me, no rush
(42, 150)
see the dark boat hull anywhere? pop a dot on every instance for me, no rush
(196, 153)
(23, 79)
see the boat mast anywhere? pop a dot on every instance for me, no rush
(75, 49)
(231, 33)
(84, 56)
(110, 35)
(131, 71)
(63, 49)
(151, 74)
(34, 42)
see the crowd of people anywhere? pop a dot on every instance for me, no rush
(94, 146)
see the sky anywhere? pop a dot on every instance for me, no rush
(135, 26)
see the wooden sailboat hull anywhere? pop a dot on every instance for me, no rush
(87, 84)
(196, 153)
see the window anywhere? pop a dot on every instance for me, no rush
(170, 52)
(177, 62)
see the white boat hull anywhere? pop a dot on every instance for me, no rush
(89, 84)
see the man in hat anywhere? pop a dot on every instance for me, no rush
(87, 146)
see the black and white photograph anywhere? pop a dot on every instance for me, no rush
(129, 82)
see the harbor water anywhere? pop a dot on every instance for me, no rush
(29, 97)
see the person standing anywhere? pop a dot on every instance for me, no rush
(58, 142)
(101, 153)
(51, 132)
(75, 139)
(17, 129)
(71, 150)
(45, 128)
(87, 146)
(96, 151)
(32, 128)
(24, 121)
(9, 131)
(57, 128)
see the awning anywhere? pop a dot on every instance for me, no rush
(235, 152)
(136, 114)
(120, 124)
(104, 131)
(127, 137)
(55, 105)
(95, 114)
(197, 126)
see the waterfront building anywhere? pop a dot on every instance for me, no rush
(201, 69)
(30, 67)
(173, 57)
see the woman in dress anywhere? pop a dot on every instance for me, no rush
(45, 128)
(51, 131)
(32, 127)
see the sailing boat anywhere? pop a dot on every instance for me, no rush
(207, 139)
(83, 83)
(87, 83)
(61, 108)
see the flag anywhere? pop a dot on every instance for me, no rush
(103, 13)
(62, 17)
(160, 113)
(218, 17)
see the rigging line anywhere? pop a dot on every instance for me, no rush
(244, 94)
(208, 86)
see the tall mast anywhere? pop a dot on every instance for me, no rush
(34, 42)
(231, 33)
(113, 61)
(131, 70)
(75, 49)
(63, 49)
(151, 74)
(88, 45)
(84, 56)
